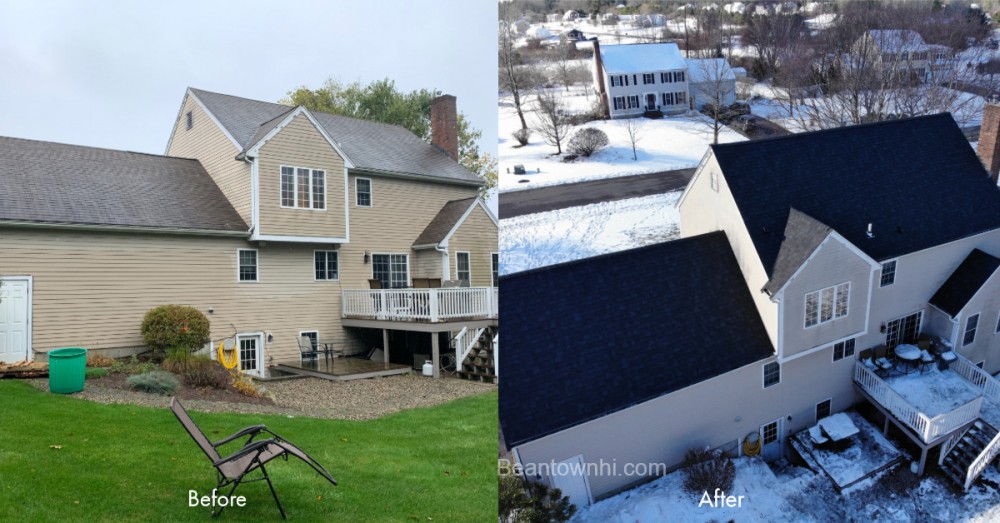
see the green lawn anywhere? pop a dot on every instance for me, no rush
(122, 462)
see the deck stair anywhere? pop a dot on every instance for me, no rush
(971, 453)
(477, 351)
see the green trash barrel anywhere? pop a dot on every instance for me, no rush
(67, 370)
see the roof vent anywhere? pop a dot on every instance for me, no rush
(869, 231)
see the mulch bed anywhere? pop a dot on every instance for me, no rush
(228, 395)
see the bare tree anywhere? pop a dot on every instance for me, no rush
(550, 119)
(512, 77)
(773, 37)
(634, 128)
(713, 82)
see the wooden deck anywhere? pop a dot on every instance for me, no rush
(343, 369)
(24, 370)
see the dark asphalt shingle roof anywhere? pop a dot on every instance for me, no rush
(916, 180)
(371, 146)
(963, 284)
(803, 235)
(71, 184)
(590, 337)
(444, 221)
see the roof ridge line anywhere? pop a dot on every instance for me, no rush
(95, 147)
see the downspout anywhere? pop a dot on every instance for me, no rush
(253, 191)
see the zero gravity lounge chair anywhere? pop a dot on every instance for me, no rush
(232, 469)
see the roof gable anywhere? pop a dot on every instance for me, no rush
(448, 220)
(803, 235)
(106, 187)
(271, 128)
(970, 276)
(896, 40)
(371, 146)
(638, 58)
(917, 181)
(603, 356)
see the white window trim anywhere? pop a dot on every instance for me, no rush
(816, 407)
(260, 350)
(763, 375)
(314, 264)
(965, 330)
(819, 306)
(497, 254)
(371, 193)
(468, 256)
(777, 432)
(256, 259)
(390, 254)
(295, 188)
(895, 272)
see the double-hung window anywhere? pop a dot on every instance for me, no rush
(680, 98)
(633, 101)
(827, 304)
(619, 102)
(326, 266)
(462, 267)
(772, 374)
(888, 276)
(247, 264)
(668, 98)
(303, 188)
(666, 78)
(393, 270)
(363, 190)
(648, 78)
(843, 349)
(679, 76)
(970, 329)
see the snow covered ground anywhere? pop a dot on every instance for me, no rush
(537, 240)
(666, 144)
(794, 494)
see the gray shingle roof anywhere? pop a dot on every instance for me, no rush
(70, 184)
(372, 146)
(803, 234)
(962, 285)
(445, 220)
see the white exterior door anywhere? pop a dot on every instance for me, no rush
(570, 477)
(251, 353)
(14, 320)
(770, 439)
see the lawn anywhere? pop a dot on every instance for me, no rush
(123, 462)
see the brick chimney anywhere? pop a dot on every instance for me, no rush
(444, 125)
(989, 139)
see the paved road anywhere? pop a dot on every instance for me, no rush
(529, 201)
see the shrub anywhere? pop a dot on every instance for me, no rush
(156, 382)
(587, 141)
(706, 470)
(95, 372)
(203, 372)
(118, 367)
(547, 505)
(174, 326)
(178, 360)
(244, 385)
(522, 135)
(99, 361)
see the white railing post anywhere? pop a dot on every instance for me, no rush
(433, 305)
(981, 461)
(496, 355)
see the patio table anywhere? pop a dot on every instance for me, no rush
(909, 354)
(329, 347)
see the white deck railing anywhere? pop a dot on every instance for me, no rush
(978, 377)
(985, 458)
(929, 429)
(432, 305)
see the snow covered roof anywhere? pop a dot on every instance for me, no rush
(896, 40)
(637, 58)
(708, 69)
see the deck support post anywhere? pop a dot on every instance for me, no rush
(923, 461)
(385, 345)
(885, 426)
(436, 354)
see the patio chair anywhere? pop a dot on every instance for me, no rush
(307, 348)
(232, 470)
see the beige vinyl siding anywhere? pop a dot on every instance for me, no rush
(712, 413)
(831, 264)
(705, 210)
(92, 289)
(300, 144)
(206, 142)
(477, 235)
(426, 263)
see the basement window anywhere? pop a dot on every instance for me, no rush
(822, 409)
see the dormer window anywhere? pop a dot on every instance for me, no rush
(303, 188)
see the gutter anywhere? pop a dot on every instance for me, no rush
(422, 177)
(121, 228)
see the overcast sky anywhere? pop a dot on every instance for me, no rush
(113, 73)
